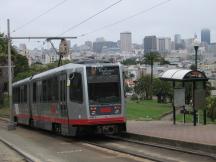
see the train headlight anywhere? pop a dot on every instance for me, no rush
(117, 109)
(93, 110)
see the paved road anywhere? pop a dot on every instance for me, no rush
(47, 148)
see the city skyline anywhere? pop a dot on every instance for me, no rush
(163, 21)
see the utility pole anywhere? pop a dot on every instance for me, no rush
(11, 125)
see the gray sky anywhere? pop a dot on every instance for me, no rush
(178, 16)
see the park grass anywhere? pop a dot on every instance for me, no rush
(146, 110)
(4, 109)
(189, 118)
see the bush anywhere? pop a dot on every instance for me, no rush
(134, 97)
(211, 108)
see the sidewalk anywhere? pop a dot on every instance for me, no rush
(201, 134)
(7, 154)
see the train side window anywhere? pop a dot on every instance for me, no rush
(54, 89)
(18, 95)
(14, 95)
(76, 92)
(21, 94)
(25, 94)
(49, 89)
(39, 91)
(44, 88)
(34, 92)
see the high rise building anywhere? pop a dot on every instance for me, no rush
(150, 44)
(164, 45)
(100, 39)
(179, 43)
(177, 38)
(126, 42)
(98, 46)
(89, 44)
(205, 36)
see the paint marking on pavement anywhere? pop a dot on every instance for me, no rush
(68, 152)
(116, 153)
(65, 143)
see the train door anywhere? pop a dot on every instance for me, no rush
(63, 96)
(76, 104)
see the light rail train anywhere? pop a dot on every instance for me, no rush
(73, 99)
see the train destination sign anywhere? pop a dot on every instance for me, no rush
(103, 74)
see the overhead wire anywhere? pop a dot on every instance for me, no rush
(127, 18)
(39, 16)
(91, 17)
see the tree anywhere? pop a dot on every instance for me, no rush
(38, 68)
(211, 107)
(150, 58)
(193, 67)
(20, 62)
(142, 87)
(130, 61)
(163, 61)
(162, 89)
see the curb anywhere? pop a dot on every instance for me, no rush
(27, 156)
(4, 119)
(171, 142)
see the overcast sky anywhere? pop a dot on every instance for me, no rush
(177, 16)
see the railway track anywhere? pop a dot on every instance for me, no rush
(154, 152)
(151, 151)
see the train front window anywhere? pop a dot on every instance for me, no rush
(104, 93)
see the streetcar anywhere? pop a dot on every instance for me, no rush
(73, 99)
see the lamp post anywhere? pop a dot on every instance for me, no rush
(196, 47)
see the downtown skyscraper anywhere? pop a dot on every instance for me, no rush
(206, 36)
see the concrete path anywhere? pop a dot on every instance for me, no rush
(203, 134)
(9, 155)
(46, 147)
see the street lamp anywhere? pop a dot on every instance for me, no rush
(196, 47)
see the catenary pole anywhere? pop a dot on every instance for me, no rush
(11, 122)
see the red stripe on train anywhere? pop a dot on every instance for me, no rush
(76, 121)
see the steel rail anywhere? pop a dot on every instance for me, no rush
(165, 146)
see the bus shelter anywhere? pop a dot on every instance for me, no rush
(198, 80)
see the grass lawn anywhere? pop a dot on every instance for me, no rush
(146, 110)
(4, 109)
(189, 118)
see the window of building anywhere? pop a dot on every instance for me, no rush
(76, 92)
